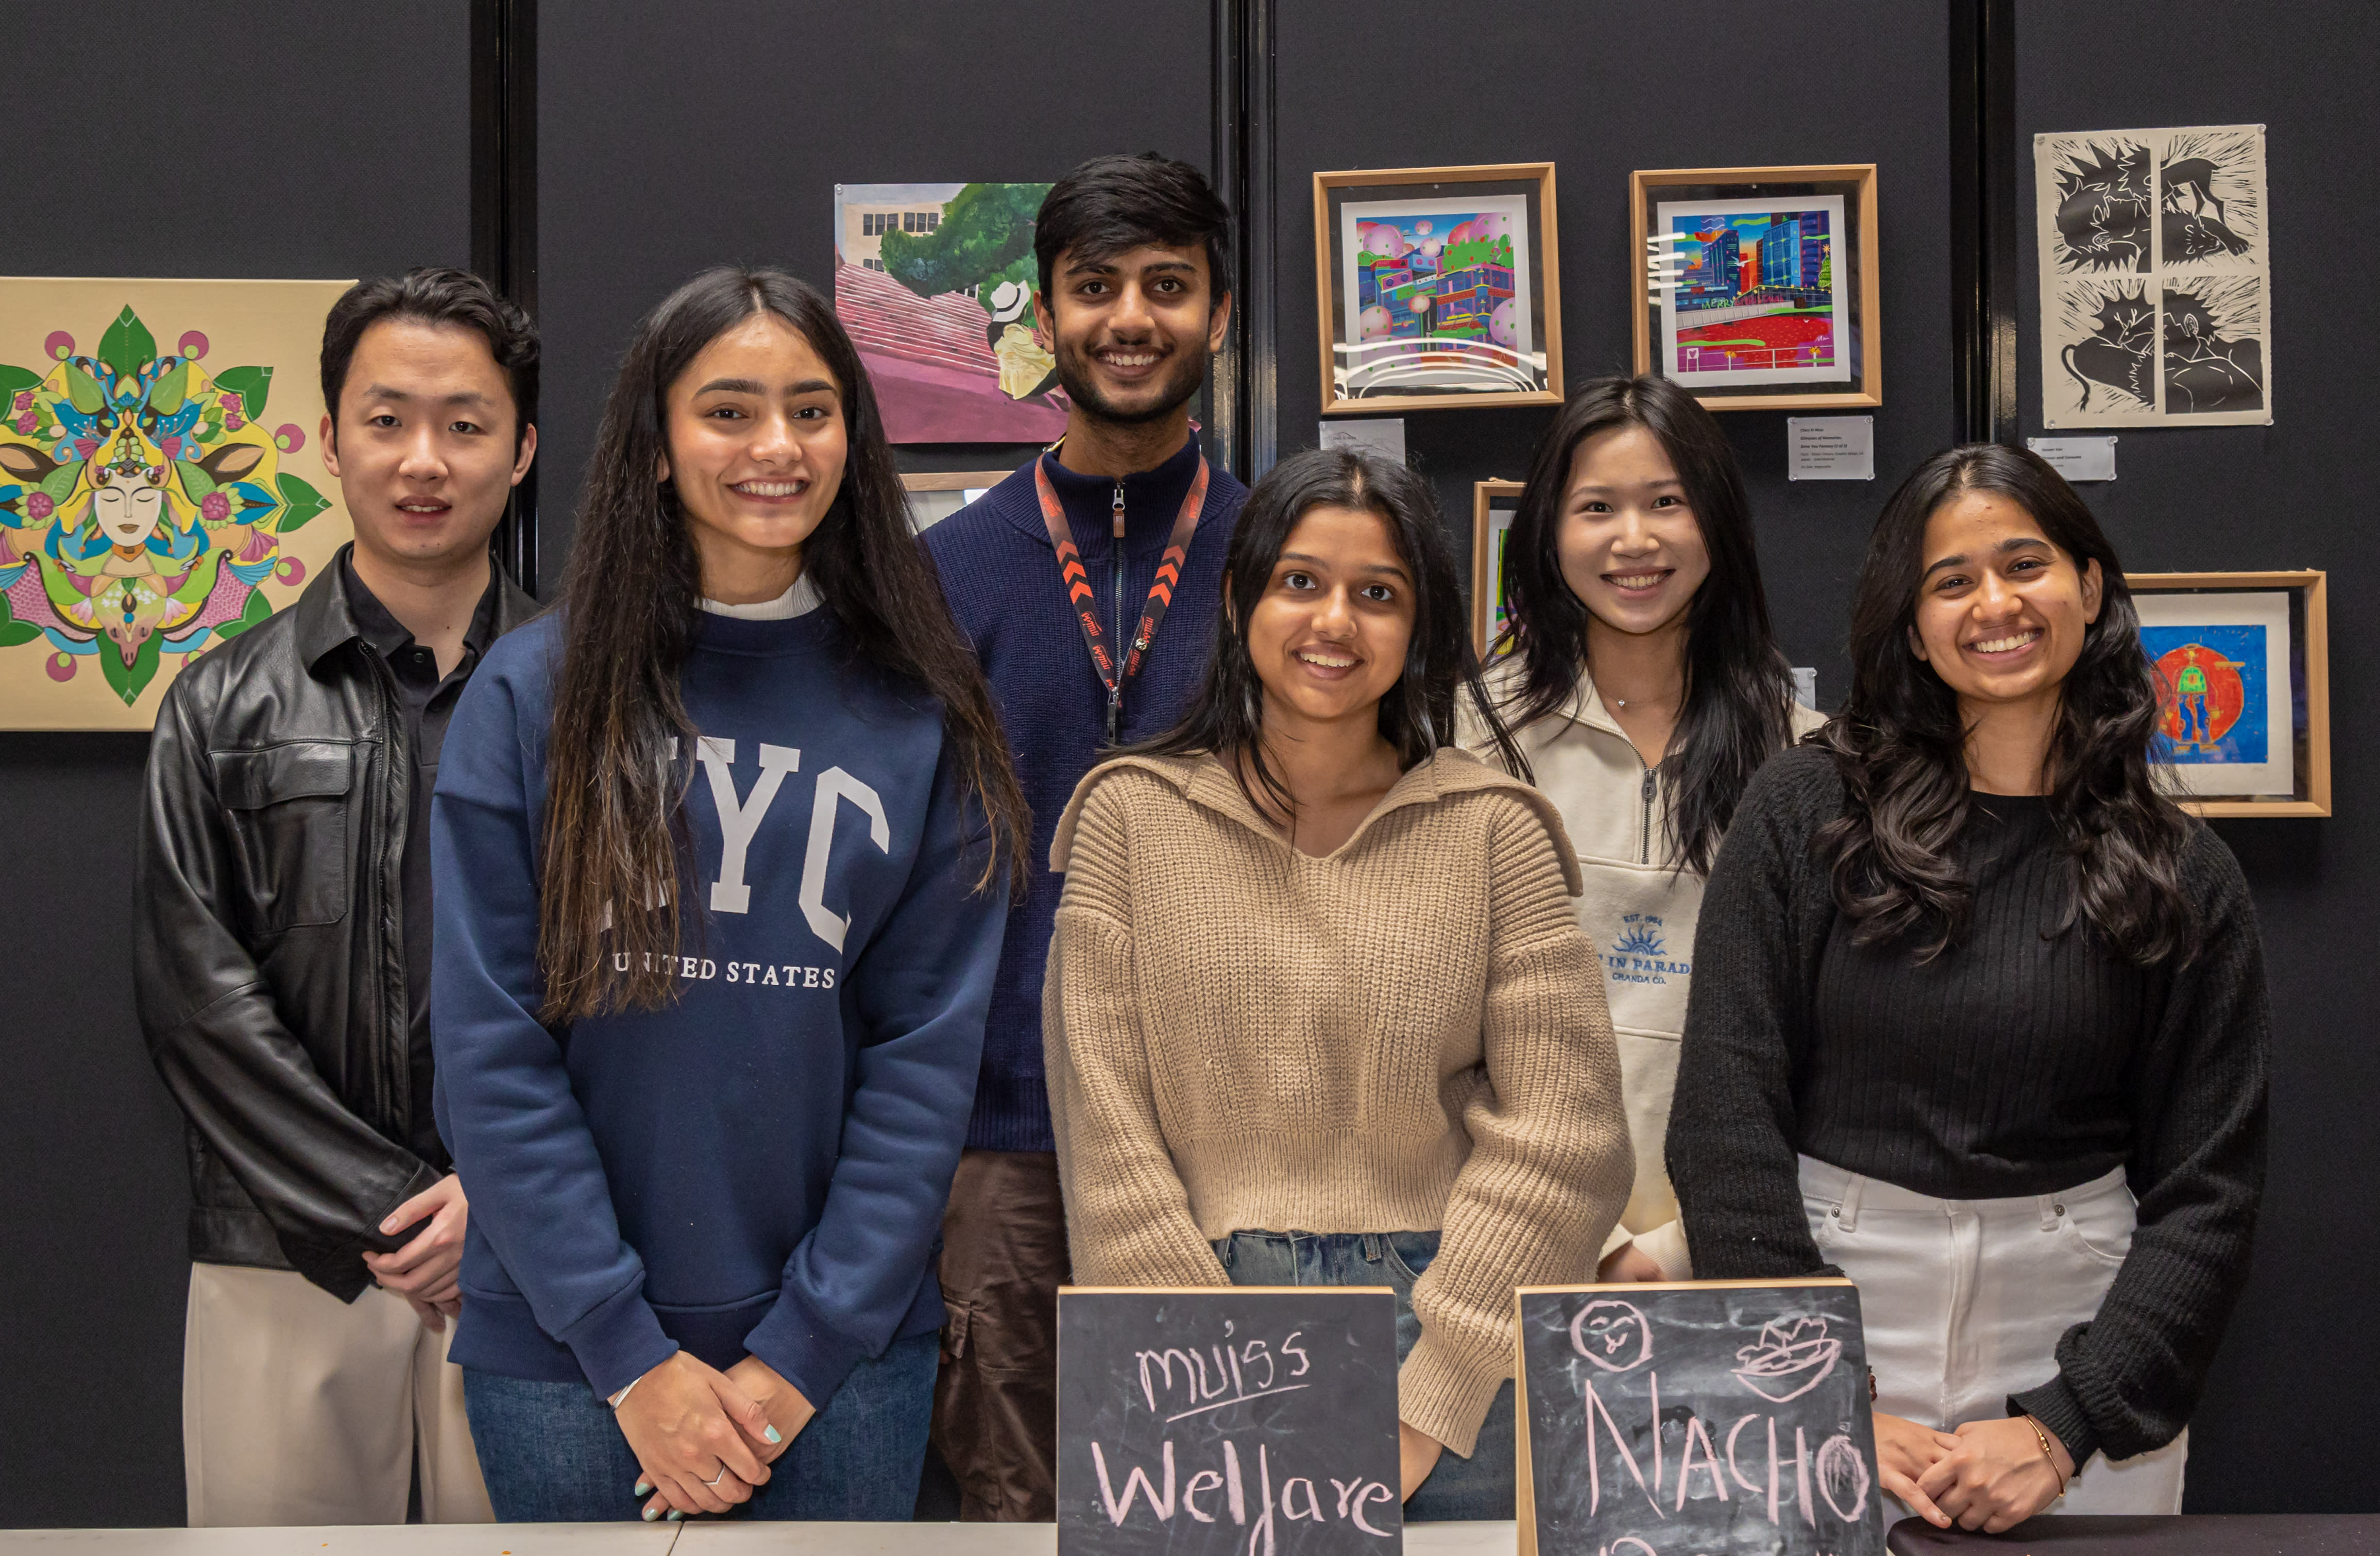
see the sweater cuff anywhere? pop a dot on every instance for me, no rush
(619, 1342)
(1446, 1394)
(802, 1348)
(2055, 1406)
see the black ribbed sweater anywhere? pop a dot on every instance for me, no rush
(2009, 1064)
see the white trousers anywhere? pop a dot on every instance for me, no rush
(298, 1408)
(1963, 1301)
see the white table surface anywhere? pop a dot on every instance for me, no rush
(632, 1539)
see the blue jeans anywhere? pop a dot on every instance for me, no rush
(1478, 1486)
(553, 1454)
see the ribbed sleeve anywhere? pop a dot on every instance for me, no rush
(1550, 1165)
(1127, 1215)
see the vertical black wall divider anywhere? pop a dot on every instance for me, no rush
(1244, 395)
(503, 210)
(1984, 231)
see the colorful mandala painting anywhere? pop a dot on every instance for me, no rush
(149, 506)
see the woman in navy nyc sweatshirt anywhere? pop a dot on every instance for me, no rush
(723, 850)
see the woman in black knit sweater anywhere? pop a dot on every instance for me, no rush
(1979, 1019)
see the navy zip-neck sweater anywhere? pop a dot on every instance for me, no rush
(1000, 573)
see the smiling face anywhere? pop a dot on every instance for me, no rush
(2001, 612)
(1134, 331)
(423, 443)
(1629, 545)
(1329, 634)
(756, 441)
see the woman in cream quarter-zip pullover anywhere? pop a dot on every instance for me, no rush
(1638, 675)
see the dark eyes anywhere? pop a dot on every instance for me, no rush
(1381, 593)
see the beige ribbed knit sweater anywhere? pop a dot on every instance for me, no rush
(1408, 1035)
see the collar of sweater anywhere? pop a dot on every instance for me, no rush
(1206, 782)
(1152, 500)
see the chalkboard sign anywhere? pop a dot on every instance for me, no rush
(1695, 1419)
(1255, 1420)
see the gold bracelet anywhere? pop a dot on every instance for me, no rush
(2042, 1434)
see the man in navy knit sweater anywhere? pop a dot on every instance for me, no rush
(1136, 295)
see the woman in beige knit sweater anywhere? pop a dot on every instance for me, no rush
(1319, 1011)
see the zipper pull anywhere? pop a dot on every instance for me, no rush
(1119, 508)
(1647, 791)
(1115, 712)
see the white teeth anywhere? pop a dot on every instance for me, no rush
(2002, 645)
(1328, 664)
(1637, 580)
(771, 488)
(1117, 360)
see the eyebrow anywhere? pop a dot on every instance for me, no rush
(2014, 543)
(753, 386)
(1110, 267)
(462, 398)
(1391, 569)
(1602, 486)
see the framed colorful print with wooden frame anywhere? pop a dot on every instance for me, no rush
(1756, 286)
(2244, 663)
(1493, 503)
(1438, 287)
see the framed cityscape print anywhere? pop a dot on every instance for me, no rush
(2244, 670)
(1756, 286)
(1493, 503)
(1437, 286)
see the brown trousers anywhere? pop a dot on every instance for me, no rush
(996, 1399)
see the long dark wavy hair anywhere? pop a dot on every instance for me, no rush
(1900, 744)
(617, 872)
(1226, 717)
(1739, 696)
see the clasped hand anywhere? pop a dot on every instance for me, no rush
(704, 1438)
(427, 1272)
(1988, 1474)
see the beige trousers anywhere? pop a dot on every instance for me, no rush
(298, 1408)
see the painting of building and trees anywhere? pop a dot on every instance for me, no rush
(1438, 304)
(1756, 293)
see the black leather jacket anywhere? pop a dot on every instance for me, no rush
(268, 953)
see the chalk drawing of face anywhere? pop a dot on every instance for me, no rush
(1612, 1334)
(1501, 326)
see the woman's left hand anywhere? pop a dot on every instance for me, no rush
(1997, 1476)
(788, 1414)
(1417, 1454)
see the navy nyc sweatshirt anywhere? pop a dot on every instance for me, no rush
(760, 1167)
(1000, 574)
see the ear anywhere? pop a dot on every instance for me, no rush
(1044, 316)
(330, 441)
(527, 453)
(660, 469)
(1219, 323)
(2095, 588)
(1917, 646)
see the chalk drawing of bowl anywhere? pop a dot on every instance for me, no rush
(1789, 1360)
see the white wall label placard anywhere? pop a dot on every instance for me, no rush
(2078, 458)
(1381, 435)
(1806, 686)
(1831, 447)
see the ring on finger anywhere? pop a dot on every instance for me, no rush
(714, 1480)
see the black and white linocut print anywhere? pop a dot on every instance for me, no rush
(2155, 277)
(2211, 200)
(2214, 346)
(2099, 191)
(2104, 331)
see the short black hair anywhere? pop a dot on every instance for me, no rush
(434, 294)
(1113, 203)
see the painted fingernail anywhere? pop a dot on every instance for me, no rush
(651, 1512)
(773, 1435)
(642, 1487)
(678, 1515)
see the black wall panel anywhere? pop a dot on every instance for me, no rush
(1599, 90)
(2231, 498)
(273, 139)
(672, 137)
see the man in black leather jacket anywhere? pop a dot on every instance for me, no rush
(281, 940)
